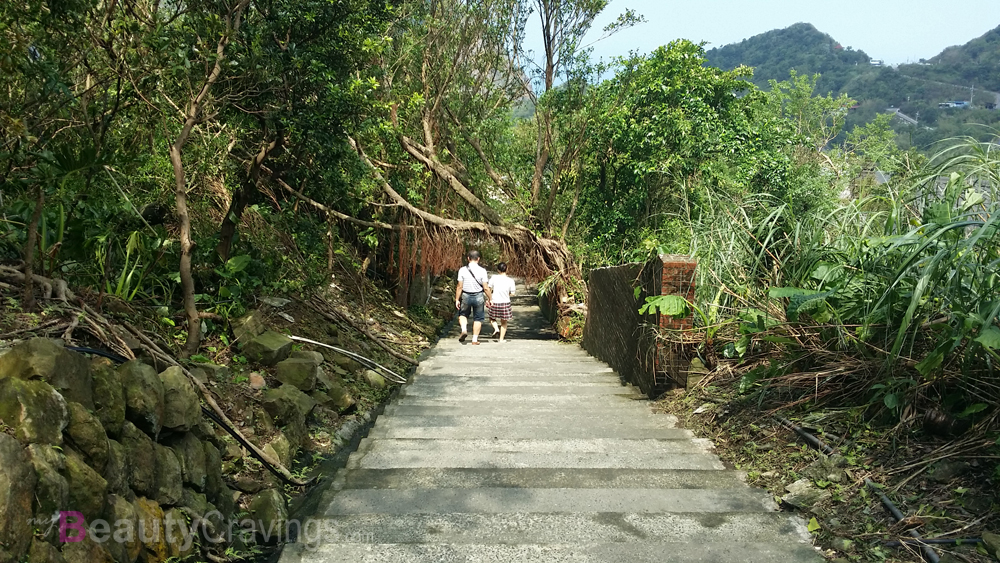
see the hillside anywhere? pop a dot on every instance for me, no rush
(800, 47)
(917, 89)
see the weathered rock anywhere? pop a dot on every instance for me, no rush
(991, 542)
(121, 514)
(826, 468)
(87, 435)
(257, 381)
(109, 396)
(373, 379)
(49, 361)
(191, 453)
(287, 403)
(169, 477)
(314, 357)
(269, 513)
(143, 396)
(325, 380)
(34, 409)
(150, 530)
(341, 398)
(116, 472)
(205, 432)
(269, 348)
(17, 486)
(248, 327)
(347, 364)
(141, 460)
(42, 552)
(215, 372)
(226, 503)
(51, 488)
(213, 473)
(86, 551)
(803, 494)
(281, 449)
(300, 372)
(87, 489)
(181, 404)
(945, 471)
(180, 541)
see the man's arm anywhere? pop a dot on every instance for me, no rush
(458, 295)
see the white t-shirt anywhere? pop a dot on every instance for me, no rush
(503, 288)
(473, 278)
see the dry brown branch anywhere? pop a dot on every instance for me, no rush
(336, 316)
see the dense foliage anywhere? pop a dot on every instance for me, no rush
(192, 156)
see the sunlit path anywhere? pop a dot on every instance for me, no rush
(532, 451)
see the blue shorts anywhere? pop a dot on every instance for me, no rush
(474, 305)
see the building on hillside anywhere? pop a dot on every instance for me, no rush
(877, 62)
(960, 104)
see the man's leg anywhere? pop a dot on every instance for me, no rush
(463, 319)
(503, 329)
(478, 316)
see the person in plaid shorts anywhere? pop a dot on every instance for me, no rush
(499, 306)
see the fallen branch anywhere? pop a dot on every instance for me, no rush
(157, 352)
(335, 316)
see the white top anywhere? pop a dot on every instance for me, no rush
(503, 288)
(473, 278)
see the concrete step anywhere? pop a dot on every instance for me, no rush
(652, 552)
(509, 500)
(526, 478)
(462, 381)
(550, 421)
(508, 408)
(561, 528)
(540, 432)
(661, 447)
(474, 459)
(538, 392)
(579, 403)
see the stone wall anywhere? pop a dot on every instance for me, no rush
(83, 441)
(617, 334)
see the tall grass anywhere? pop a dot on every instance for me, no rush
(892, 297)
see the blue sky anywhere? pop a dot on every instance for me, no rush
(896, 31)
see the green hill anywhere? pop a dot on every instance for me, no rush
(802, 48)
(917, 89)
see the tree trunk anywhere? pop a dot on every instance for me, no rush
(243, 198)
(28, 302)
(576, 200)
(233, 20)
(541, 160)
(187, 280)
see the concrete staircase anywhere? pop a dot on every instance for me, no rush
(534, 452)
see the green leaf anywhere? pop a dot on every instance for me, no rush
(784, 292)
(931, 363)
(237, 264)
(671, 305)
(973, 409)
(891, 400)
(814, 526)
(804, 303)
(990, 338)
(636, 292)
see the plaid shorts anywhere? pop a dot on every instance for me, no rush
(501, 312)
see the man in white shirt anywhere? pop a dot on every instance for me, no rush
(471, 296)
